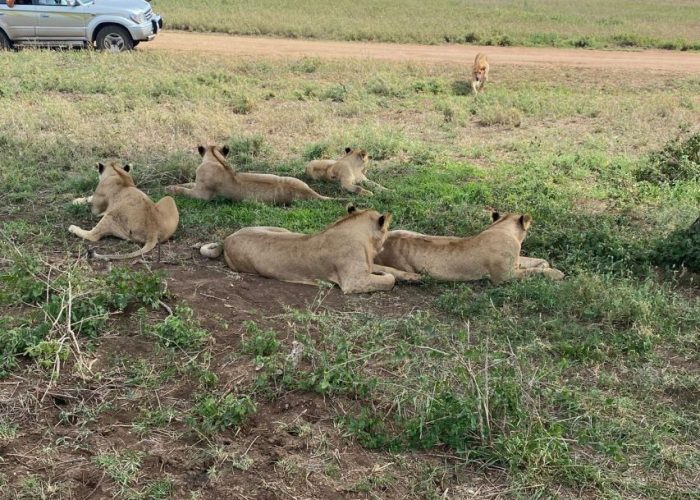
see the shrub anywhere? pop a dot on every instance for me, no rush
(680, 249)
(180, 331)
(678, 161)
(214, 414)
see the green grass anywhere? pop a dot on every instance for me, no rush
(559, 23)
(588, 386)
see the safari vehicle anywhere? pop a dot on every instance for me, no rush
(113, 25)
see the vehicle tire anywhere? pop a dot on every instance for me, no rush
(5, 43)
(114, 38)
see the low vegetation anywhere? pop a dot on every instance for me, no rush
(177, 379)
(537, 23)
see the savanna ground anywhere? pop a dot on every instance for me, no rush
(176, 378)
(672, 24)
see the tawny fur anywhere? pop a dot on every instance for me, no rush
(480, 72)
(127, 212)
(349, 171)
(216, 177)
(343, 253)
(494, 253)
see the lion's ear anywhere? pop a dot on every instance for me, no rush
(351, 208)
(225, 151)
(495, 216)
(525, 221)
(384, 220)
(100, 167)
(348, 150)
(201, 150)
(127, 168)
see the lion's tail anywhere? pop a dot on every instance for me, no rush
(150, 245)
(212, 250)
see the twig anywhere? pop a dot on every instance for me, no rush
(166, 307)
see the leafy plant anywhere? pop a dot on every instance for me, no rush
(678, 161)
(214, 414)
(180, 331)
(681, 248)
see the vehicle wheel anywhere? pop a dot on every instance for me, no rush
(114, 39)
(5, 43)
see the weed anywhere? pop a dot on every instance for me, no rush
(242, 105)
(159, 489)
(213, 414)
(681, 248)
(122, 467)
(152, 418)
(336, 93)
(8, 429)
(47, 353)
(678, 161)
(259, 342)
(246, 150)
(498, 115)
(69, 301)
(180, 331)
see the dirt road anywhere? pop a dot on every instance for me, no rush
(652, 60)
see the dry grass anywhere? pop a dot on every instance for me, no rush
(559, 23)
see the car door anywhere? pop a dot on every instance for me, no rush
(60, 20)
(19, 21)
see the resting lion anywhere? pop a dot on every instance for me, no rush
(216, 177)
(127, 212)
(493, 253)
(342, 253)
(349, 170)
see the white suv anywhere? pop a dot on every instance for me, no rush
(113, 25)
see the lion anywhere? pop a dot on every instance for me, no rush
(216, 177)
(342, 253)
(127, 212)
(349, 170)
(480, 72)
(493, 253)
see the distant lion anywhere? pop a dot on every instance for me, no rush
(127, 212)
(349, 171)
(342, 253)
(494, 253)
(480, 72)
(216, 177)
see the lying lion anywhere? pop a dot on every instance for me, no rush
(349, 170)
(216, 177)
(493, 253)
(342, 253)
(127, 212)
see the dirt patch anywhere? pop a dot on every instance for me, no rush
(647, 60)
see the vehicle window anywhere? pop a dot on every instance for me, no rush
(52, 3)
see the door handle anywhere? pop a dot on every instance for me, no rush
(43, 15)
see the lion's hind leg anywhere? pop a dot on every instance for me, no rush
(364, 283)
(191, 190)
(106, 227)
(530, 263)
(397, 273)
(348, 183)
(551, 273)
(375, 185)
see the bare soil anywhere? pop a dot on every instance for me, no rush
(647, 60)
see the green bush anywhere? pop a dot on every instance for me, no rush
(180, 331)
(678, 161)
(214, 414)
(680, 249)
